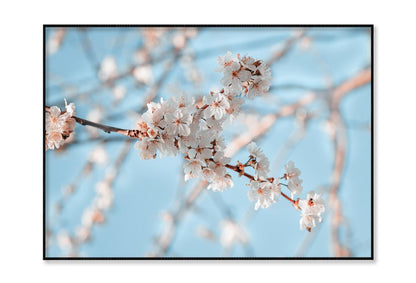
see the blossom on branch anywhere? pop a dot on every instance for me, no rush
(311, 209)
(217, 105)
(260, 193)
(292, 175)
(258, 161)
(59, 126)
(245, 74)
(178, 123)
(265, 193)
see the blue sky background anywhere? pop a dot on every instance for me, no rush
(144, 189)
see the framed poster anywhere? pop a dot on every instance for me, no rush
(208, 142)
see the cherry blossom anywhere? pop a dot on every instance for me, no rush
(235, 76)
(275, 190)
(259, 161)
(260, 193)
(311, 209)
(291, 170)
(147, 148)
(193, 168)
(217, 105)
(224, 61)
(265, 193)
(292, 175)
(178, 123)
(59, 126)
(221, 183)
(295, 186)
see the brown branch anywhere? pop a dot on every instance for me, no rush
(108, 129)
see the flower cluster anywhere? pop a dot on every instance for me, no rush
(247, 75)
(194, 129)
(59, 126)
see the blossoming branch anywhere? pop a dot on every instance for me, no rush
(194, 129)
